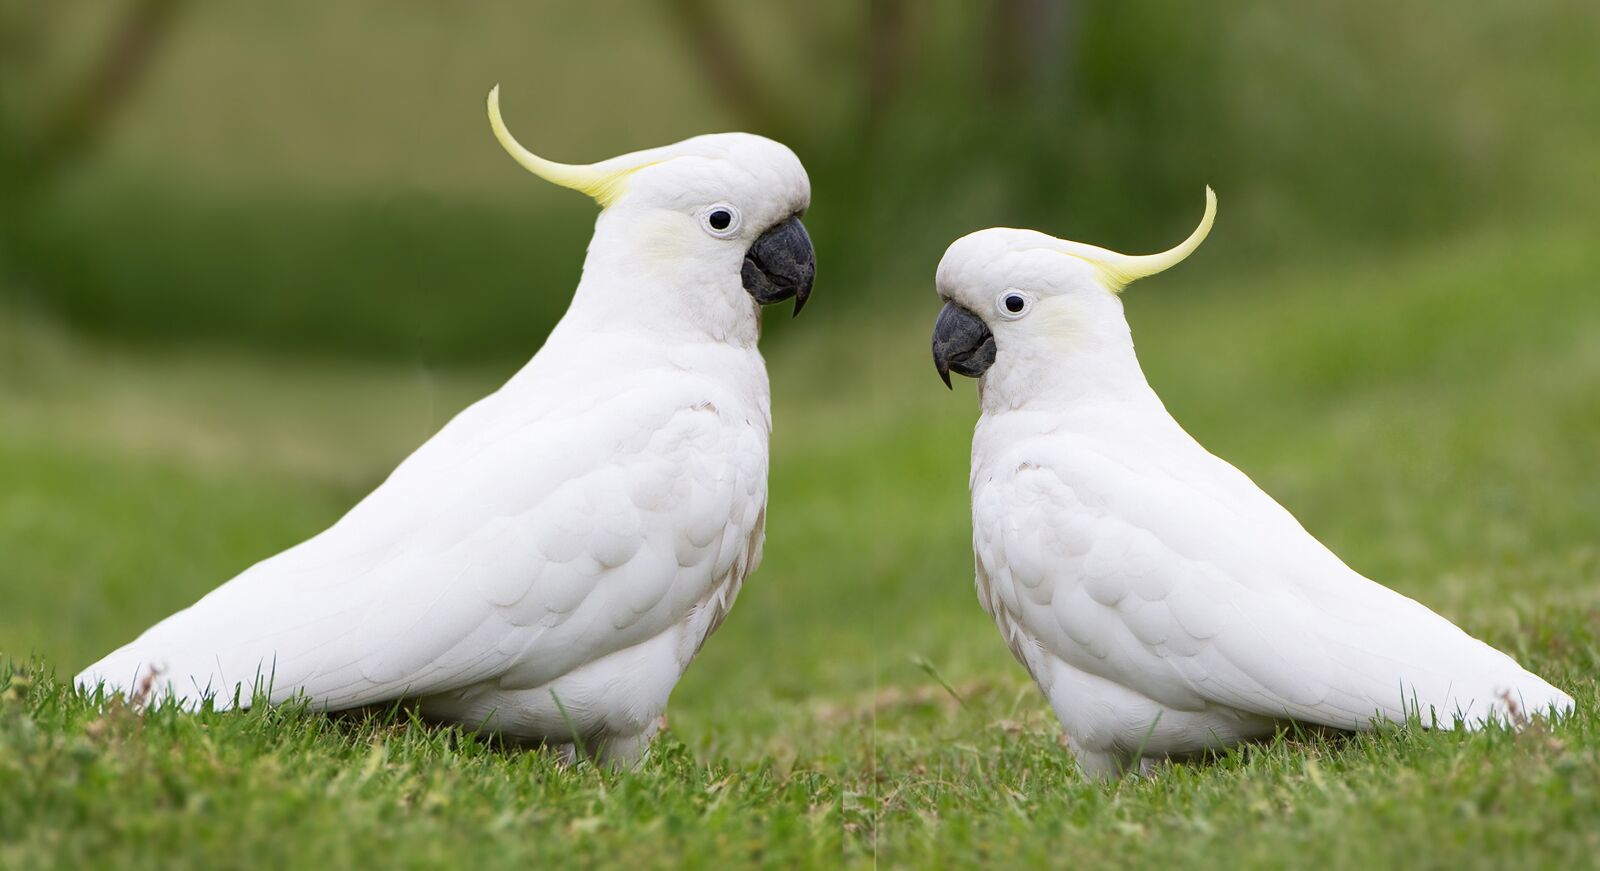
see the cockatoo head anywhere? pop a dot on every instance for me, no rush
(1013, 297)
(714, 219)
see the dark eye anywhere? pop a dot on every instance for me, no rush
(1015, 303)
(720, 220)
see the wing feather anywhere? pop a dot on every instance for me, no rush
(514, 546)
(1212, 594)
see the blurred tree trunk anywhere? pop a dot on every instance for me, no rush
(887, 32)
(1026, 57)
(723, 63)
(1029, 41)
(38, 151)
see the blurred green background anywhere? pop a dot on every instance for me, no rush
(319, 177)
(253, 254)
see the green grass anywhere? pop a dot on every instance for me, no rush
(1431, 416)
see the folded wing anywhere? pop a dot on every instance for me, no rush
(495, 552)
(1209, 593)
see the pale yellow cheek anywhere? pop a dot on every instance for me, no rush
(665, 247)
(669, 236)
(1055, 319)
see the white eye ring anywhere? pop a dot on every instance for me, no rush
(1007, 298)
(716, 213)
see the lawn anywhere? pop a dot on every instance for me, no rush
(1431, 415)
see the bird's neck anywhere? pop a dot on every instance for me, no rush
(635, 281)
(579, 358)
(1078, 372)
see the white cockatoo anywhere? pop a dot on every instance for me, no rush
(1164, 604)
(547, 565)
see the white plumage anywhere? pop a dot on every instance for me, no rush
(1163, 602)
(546, 565)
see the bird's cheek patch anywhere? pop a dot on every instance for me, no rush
(1056, 320)
(670, 236)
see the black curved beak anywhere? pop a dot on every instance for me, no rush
(962, 344)
(781, 264)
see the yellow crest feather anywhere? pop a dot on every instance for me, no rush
(1120, 270)
(605, 181)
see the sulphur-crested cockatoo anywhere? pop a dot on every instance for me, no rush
(1164, 604)
(547, 564)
